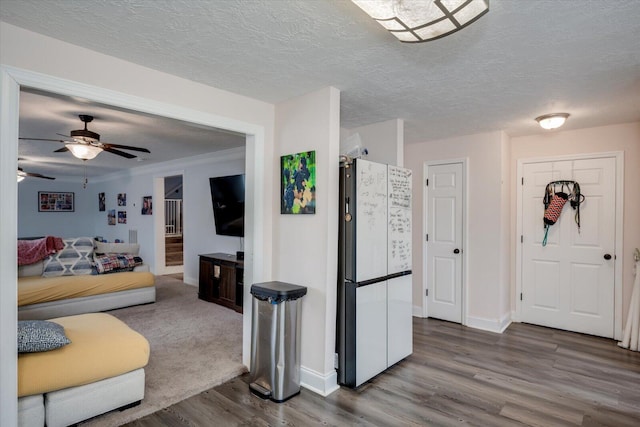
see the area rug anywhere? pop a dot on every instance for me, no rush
(195, 345)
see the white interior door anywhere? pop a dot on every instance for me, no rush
(443, 268)
(569, 283)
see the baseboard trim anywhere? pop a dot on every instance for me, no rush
(491, 325)
(417, 311)
(318, 383)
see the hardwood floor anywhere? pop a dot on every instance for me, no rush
(173, 247)
(528, 375)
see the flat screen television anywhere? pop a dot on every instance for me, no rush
(227, 198)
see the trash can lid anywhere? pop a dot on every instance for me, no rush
(277, 291)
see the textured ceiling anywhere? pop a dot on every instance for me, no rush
(521, 60)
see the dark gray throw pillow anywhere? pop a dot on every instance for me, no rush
(40, 335)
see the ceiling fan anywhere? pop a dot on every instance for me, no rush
(85, 144)
(22, 175)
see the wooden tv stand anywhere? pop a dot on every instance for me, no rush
(221, 280)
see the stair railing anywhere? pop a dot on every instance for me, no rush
(173, 217)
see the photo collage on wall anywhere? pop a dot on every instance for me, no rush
(119, 215)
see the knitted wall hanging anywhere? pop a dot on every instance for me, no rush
(554, 201)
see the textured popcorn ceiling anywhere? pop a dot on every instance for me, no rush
(521, 60)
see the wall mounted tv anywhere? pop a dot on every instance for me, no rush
(227, 198)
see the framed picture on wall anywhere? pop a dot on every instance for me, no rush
(147, 205)
(298, 183)
(50, 201)
(101, 202)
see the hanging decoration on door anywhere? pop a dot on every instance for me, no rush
(555, 200)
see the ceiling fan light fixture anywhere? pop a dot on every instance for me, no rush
(552, 121)
(20, 177)
(83, 151)
(416, 21)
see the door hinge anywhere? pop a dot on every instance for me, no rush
(521, 238)
(427, 292)
(522, 183)
(427, 237)
(520, 296)
(427, 182)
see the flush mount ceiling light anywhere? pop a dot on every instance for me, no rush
(415, 21)
(83, 151)
(552, 121)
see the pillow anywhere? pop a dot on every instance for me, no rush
(40, 335)
(117, 248)
(73, 260)
(113, 263)
(34, 269)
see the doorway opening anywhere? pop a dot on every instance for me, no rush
(173, 214)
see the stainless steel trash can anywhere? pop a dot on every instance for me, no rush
(275, 340)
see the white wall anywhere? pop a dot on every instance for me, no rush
(32, 223)
(383, 140)
(307, 244)
(622, 137)
(485, 253)
(42, 62)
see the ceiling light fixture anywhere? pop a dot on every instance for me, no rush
(83, 151)
(552, 121)
(415, 21)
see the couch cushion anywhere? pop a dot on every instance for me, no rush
(75, 259)
(102, 347)
(117, 248)
(36, 290)
(35, 269)
(40, 335)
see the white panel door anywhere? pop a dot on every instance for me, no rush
(444, 245)
(371, 220)
(400, 319)
(371, 327)
(569, 283)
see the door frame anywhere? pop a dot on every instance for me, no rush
(465, 233)
(257, 261)
(619, 210)
(158, 224)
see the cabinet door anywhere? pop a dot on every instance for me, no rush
(205, 280)
(228, 284)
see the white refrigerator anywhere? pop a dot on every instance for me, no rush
(374, 313)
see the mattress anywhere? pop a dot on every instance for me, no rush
(38, 289)
(102, 346)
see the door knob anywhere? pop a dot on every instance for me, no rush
(456, 251)
(607, 257)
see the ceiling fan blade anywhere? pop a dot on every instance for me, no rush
(44, 139)
(61, 150)
(37, 175)
(66, 136)
(126, 147)
(119, 153)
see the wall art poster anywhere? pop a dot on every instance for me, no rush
(49, 201)
(101, 202)
(298, 183)
(122, 199)
(122, 217)
(146, 205)
(111, 217)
